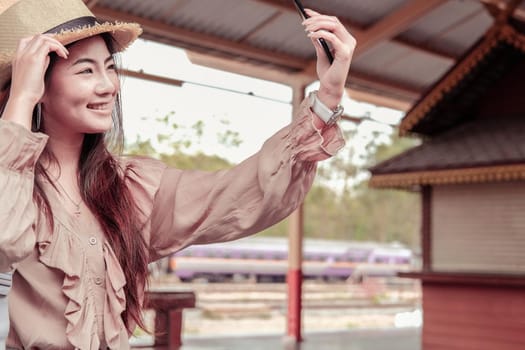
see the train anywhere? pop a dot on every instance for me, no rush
(265, 259)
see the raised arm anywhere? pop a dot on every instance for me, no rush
(19, 152)
(192, 207)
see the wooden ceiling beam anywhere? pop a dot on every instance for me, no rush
(394, 23)
(376, 32)
(502, 9)
(151, 77)
(389, 27)
(179, 36)
(499, 4)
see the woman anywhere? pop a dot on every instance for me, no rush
(80, 224)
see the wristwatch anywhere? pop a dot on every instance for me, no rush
(328, 115)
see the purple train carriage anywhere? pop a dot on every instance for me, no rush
(264, 259)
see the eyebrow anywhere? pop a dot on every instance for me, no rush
(90, 60)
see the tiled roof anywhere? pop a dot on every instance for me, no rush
(404, 46)
(481, 144)
(449, 102)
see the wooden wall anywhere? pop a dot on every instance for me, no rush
(457, 317)
(474, 273)
(478, 228)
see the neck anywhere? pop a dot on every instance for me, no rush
(67, 154)
(66, 150)
(64, 173)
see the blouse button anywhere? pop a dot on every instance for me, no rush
(92, 240)
(98, 281)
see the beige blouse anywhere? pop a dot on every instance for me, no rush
(67, 288)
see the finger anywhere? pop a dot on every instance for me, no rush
(341, 50)
(43, 42)
(323, 25)
(52, 38)
(44, 48)
(64, 52)
(331, 24)
(312, 13)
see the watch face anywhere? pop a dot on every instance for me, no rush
(338, 111)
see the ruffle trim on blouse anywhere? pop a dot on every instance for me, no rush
(116, 298)
(143, 176)
(62, 251)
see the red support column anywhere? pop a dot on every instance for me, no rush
(295, 277)
(295, 250)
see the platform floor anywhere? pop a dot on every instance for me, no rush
(362, 339)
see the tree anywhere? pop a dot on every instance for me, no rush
(172, 146)
(356, 212)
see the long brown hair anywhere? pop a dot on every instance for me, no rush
(104, 191)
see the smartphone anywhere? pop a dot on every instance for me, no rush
(321, 41)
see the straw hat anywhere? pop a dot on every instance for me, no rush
(69, 20)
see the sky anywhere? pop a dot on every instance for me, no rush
(208, 96)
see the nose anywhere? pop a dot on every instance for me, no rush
(107, 83)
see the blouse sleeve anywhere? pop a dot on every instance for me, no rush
(195, 207)
(19, 153)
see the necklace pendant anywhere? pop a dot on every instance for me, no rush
(77, 212)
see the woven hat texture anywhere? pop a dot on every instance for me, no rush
(67, 20)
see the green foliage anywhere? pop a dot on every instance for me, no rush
(356, 212)
(371, 215)
(172, 145)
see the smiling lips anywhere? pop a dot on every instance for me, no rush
(100, 106)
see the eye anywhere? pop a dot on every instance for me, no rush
(112, 66)
(86, 71)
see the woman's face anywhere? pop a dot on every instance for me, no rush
(80, 91)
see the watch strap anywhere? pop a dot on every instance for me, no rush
(328, 115)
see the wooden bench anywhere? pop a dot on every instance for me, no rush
(168, 304)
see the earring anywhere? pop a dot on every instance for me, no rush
(38, 120)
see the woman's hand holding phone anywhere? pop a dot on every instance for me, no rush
(332, 77)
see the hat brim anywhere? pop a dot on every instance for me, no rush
(124, 34)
